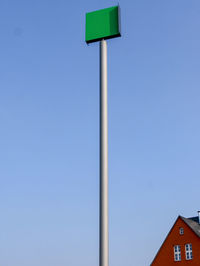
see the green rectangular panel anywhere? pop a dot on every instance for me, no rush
(102, 24)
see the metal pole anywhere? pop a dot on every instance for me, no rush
(103, 256)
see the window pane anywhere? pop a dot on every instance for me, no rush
(181, 231)
(188, 251)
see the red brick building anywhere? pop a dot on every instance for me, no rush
(182, 244)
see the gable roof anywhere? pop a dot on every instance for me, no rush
(193, 224)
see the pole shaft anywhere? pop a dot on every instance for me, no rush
(103, 260)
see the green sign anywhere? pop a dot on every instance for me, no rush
(102, 24)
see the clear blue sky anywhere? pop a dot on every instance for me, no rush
(49, 96)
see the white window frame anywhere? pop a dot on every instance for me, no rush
(181, 231)
(177, 253)
(188, 251)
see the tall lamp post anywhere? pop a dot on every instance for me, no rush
(101, 25)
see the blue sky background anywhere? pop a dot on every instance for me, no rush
(49, 110)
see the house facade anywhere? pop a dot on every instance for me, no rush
(182, 244)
